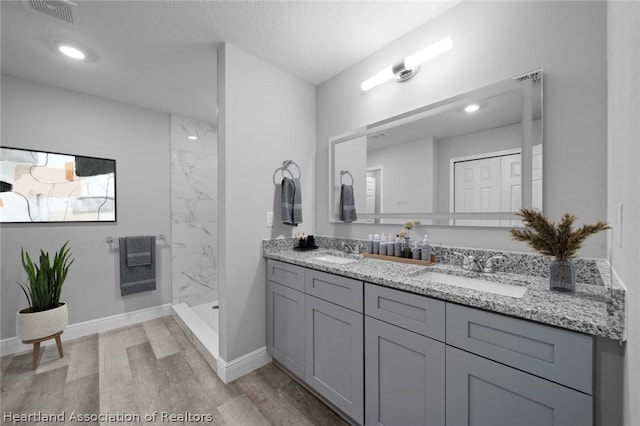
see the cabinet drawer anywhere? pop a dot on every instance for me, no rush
(417, 313)
(559, 355)
(333, 288)
(285, 274)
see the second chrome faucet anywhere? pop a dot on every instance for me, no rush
(471, 263)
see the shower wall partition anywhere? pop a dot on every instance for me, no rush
(194, 228)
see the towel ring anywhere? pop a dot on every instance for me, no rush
(285, 168)
(287, 163)
(345, 172)
(282, 169)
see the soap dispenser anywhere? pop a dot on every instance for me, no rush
(391, 246)
(397, 246)
(382, 250)
(376, 243)
(415, 251)
(426, 249)
(370, 244)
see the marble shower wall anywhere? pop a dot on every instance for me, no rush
(194, 212)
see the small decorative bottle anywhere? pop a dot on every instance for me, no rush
(398, 246)
(415, 251)
(382, 250)
(426, 249)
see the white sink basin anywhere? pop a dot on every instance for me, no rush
(334, 259)
(475, 284)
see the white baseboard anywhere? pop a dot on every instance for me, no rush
(13, 345)
(229, 371)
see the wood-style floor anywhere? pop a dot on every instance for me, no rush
(146, 368)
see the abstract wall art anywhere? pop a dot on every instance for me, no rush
(51, 187)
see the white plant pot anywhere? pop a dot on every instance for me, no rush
(37, 325)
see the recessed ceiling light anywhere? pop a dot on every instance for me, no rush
(192, 138)
(471, 108)
(71, 52)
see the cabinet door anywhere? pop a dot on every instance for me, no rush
(482, 392)
(405, 377)
(285, 326)
(334, 355)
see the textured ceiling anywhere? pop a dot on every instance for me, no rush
(162, 54)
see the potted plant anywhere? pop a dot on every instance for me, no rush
(560, 241)
(46, 315)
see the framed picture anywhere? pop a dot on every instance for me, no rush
(52, 187)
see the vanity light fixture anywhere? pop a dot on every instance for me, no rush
(409, 66)
(71, 52)
(471, 108)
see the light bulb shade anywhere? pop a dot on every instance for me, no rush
(420, 57)
(71, 52)
(472, 108)
(377, 79)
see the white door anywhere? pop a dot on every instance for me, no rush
(371, 198)
(537, 177)
(477, 188)
(510, 186)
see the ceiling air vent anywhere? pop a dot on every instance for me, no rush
(378, 135)
(60, 9)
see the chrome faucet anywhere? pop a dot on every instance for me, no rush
(350, 249)
(470, 263)
(488, 264)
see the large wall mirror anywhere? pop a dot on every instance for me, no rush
(471, 160)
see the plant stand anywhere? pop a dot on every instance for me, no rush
(36, 347)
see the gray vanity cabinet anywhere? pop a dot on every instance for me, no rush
(483, 392)
(405, 377)
(285, 327)
(319, 339)
(334, 355)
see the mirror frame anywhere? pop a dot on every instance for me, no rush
(535, 78)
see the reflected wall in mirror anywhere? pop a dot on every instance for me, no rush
(471, 160)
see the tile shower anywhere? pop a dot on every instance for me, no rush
(194, 227)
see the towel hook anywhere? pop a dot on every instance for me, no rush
(345, 172)
(287, 163)
(285, 168)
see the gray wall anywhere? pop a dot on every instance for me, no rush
(41, 117)
(408, 175)
(493, 41)
(623, 54)
(267, 116)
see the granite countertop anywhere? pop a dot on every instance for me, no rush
(592, 309)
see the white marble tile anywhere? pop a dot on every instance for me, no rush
(194, 211)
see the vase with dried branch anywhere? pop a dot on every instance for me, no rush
(558, 240)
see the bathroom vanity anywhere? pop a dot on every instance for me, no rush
(386, 344)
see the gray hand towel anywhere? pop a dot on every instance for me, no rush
(291, 202)
(138, 251)
(347, 204)
(139, 277)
